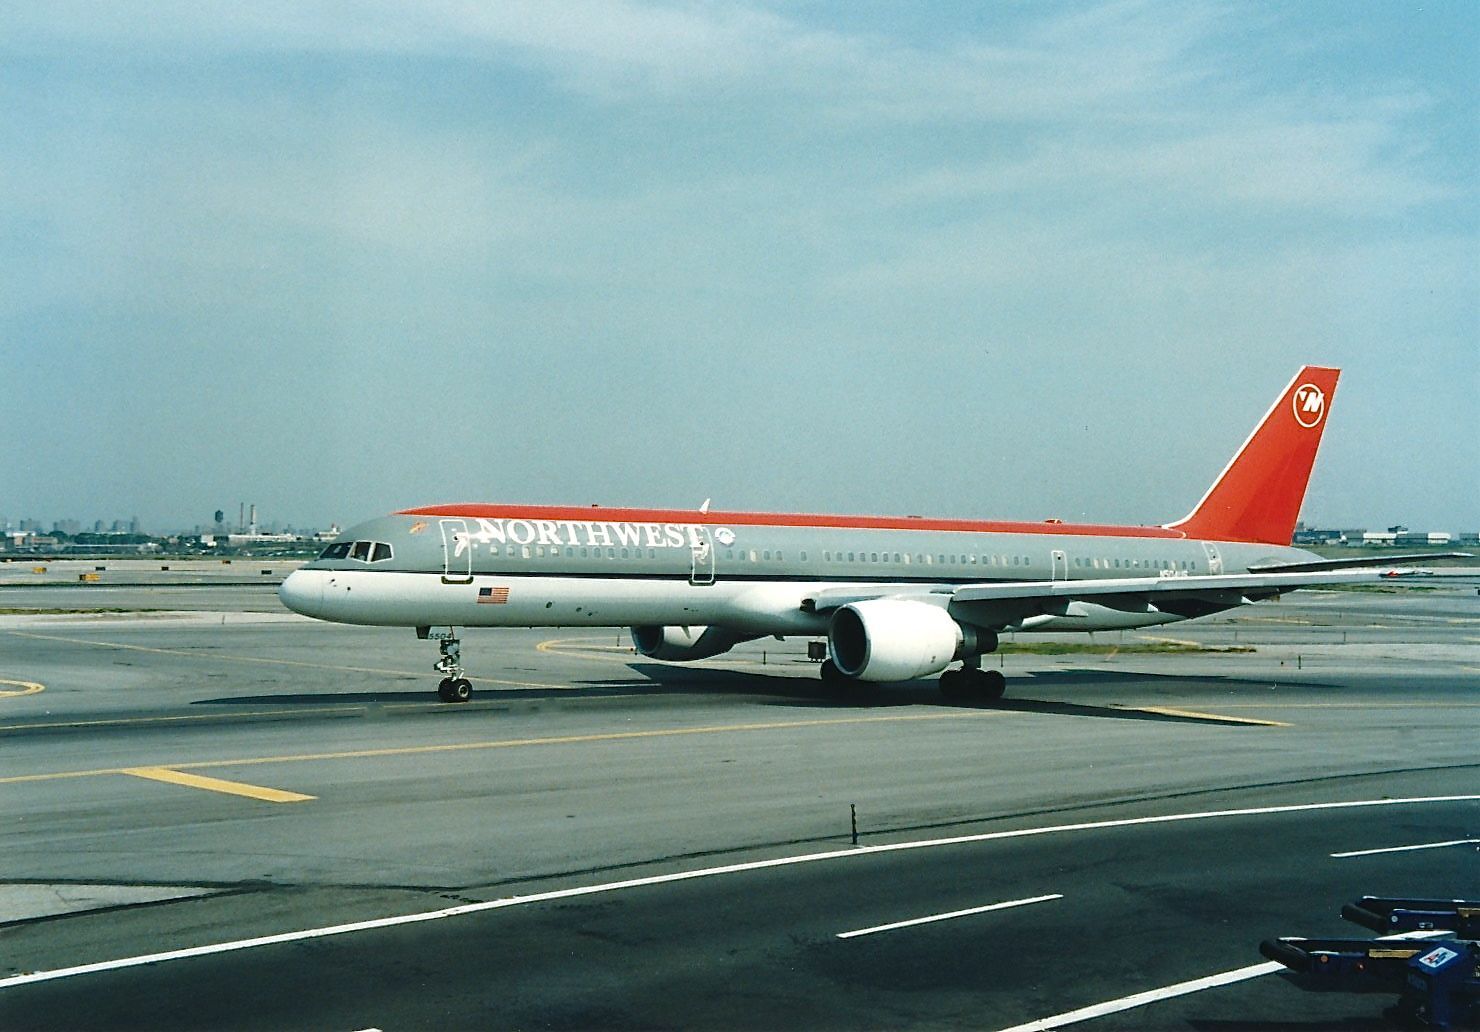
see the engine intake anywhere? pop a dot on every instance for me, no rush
(886, 639)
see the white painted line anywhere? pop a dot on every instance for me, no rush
(708, 872)
(1168, 992)
(1150, 996)
(1408, 849)
(946, 917)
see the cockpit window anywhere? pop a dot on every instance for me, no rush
(364, 551)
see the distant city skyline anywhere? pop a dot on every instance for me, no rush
(72, 526)
(1016, 261)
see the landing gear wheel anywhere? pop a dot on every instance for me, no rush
(845, 688)
(970, 685)
(953, 686)
(991, 684)
(454, 687)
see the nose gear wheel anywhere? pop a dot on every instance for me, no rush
(454, 687)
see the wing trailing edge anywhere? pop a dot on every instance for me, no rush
(1357, 562)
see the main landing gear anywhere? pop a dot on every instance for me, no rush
(967, 686)
(972, 684)
(454, 687)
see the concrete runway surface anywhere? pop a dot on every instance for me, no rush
(218, 814)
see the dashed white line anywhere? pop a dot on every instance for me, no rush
(946, 917)
(1408, 849)
(662, 879)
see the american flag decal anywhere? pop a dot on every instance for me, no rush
(493, 596)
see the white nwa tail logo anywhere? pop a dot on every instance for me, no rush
(1310, 404)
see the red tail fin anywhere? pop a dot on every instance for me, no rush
(1257, 496)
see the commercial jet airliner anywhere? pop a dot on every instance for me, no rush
(896, 597)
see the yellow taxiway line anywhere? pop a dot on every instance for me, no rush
(178, 777)
(1168, 711)
(21, 688)
(263, 660)
(511, 743)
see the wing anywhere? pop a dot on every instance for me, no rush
(1356, 561)
(999, 606)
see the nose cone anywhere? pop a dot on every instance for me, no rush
(303, 592)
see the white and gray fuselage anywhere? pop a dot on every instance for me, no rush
(481, 566)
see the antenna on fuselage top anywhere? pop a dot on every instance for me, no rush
(705, 506)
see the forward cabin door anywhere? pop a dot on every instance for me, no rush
(457, 553)
(701, 559)
(1060, 565)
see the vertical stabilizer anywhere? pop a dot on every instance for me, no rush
(1257, 496)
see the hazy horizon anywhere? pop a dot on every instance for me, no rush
(1018, 261)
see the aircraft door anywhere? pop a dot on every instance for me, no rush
(1060, 565)
(1215, 558)
(457, 553)
(701, 558)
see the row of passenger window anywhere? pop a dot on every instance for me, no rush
(926, 559)
(553, 552)
(364, 551)
(1136, 564)
(383, 551)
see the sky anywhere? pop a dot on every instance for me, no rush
(1008, 260)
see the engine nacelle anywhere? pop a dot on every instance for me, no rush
(683, 643)
(889, 639)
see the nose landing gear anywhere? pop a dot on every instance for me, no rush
(454, 687)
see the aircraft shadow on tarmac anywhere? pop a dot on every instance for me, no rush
(657, 679)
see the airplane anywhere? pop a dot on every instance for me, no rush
(897, 598)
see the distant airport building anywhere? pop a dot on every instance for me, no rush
(240, 540)
(1393, 537)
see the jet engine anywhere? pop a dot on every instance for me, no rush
(887, 639)
(683, 643)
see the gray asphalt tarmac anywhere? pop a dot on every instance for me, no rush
(671, 846)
